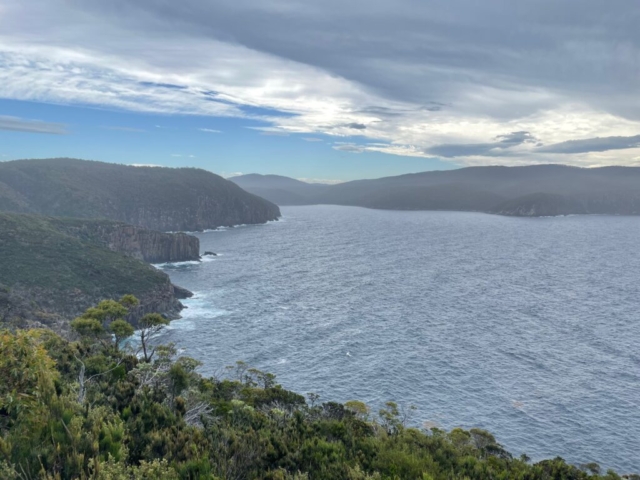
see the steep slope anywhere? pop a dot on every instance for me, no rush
(48, 275)
(164, 199)
(137, 242)
(539, 190)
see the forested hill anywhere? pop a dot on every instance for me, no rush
(164, 199)
(539, 190)
(52, 269)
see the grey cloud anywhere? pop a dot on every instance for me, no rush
(492, 149)
(349, 147)
(598, 144)
(356, 126)
(415, 51)
(16, 124)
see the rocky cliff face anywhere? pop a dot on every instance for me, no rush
(54, 269)
(141, 243)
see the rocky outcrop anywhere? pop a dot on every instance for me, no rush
(54, 269)
(137, 242)
(540, 205)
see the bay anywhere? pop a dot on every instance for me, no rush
(526, 327)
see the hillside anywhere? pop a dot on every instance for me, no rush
(164, 199)
(541, 190)
(280, 190)
(134, 418)
(50, 273)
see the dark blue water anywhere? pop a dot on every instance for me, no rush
(529, 328)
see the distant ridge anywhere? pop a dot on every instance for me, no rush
(164, 199)
(532, 191)
(280, 190)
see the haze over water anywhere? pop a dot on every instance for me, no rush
(525, 327)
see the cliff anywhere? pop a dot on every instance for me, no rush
(137, 242)
(163, 199)
(50, 274)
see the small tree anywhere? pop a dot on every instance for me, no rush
(150, 326)
(88, 328)
(360, 409)
(121, 330)
(107, 311)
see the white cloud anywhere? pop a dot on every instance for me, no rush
(125, 129)
(16, 124)
(323, 181)
(405, 87)
(209, 130)
(349, 147)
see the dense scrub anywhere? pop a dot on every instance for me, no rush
(50, 272)
(91, 408)
(163, 199)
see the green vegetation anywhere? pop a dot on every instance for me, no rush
(48, 275)
(85, 409)
(163, 199)
(37, 253)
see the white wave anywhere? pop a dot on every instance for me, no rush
(198, 307)
(181, 324)
(176, 264)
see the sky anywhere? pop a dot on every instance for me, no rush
(323, 91)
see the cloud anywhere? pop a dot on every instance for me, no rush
(15, 124)
(312, 139)
(209, 130)
(146, 165)
(597, 144)
(274, 134)
(500, 147)
(349, 147)
(322, 181)
(417, 77)
(125, 129)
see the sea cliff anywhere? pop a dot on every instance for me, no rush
(54, 269)
(137, 242)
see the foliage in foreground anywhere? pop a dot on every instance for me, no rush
(91, 409)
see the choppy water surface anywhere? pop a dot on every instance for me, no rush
(529, 328)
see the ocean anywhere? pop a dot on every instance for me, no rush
(527, 327)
